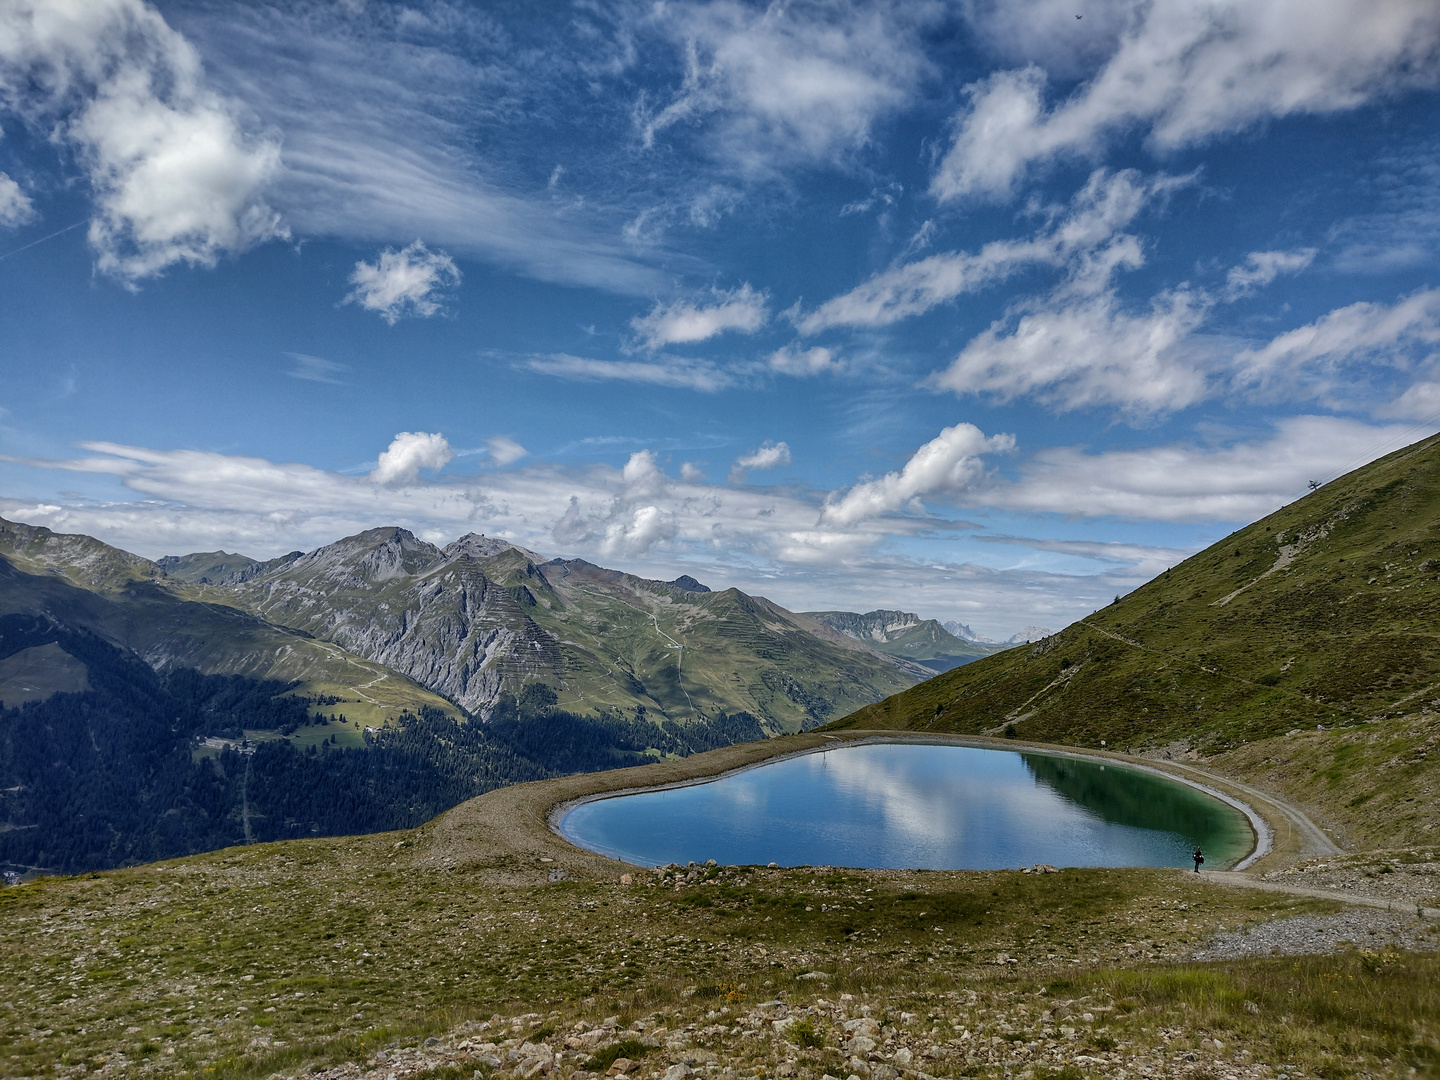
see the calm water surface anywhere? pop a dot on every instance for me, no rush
(923, 807)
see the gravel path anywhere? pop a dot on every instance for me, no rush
(1363, 928)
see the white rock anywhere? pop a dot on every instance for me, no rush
(860, 1045)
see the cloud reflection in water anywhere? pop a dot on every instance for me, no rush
(918, 806)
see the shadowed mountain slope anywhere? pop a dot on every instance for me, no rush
(84, 585)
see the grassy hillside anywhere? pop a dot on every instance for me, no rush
(698, 653)
(1325, 613)
(367, 957)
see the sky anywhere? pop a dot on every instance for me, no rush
(987, 310)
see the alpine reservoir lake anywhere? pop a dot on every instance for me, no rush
(918, 806)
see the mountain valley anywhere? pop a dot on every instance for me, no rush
(368, 684)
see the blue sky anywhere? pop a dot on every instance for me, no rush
(976, 309)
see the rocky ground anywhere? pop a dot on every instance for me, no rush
(1410, 875)
(325, 959)
(961, 1033)
(1356, 928)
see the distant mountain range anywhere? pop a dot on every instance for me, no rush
(900, 633)
(964, 633)
(382, 622)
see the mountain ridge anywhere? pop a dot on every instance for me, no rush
(125, 600)
(462, 624)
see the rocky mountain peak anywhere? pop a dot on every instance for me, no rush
(964, 633)
(477, 546)
(1030, 633)
(373, 555)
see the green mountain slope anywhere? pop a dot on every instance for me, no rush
(81, 583)
(481, 617)
(899, 633)
(1326, 612)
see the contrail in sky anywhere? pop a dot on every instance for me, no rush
(42, 239)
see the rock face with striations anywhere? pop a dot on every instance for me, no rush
(481, 616)
(430, 613)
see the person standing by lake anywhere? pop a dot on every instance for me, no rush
(1199, 858)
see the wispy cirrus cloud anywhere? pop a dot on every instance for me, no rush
(792, 360)
(1143, 560)
(316, 369)
(1186, 73)
(1322, 358)
(1239, 480)
(768, 87)
(382, 108)
(1095, 219)
(1262, 267)
(685, 322)
(698, 375)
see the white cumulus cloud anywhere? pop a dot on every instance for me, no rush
(1089, 351)
(176, 172)
(768, 455)
(682, 322)
(1190, 70)
(411, 281)
(408, 453)
(948, 465)
(638, 532)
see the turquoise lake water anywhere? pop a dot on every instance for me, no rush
(913, 806)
